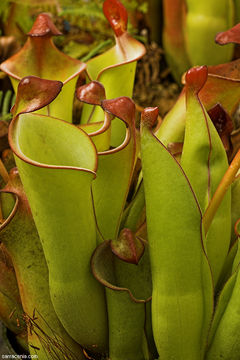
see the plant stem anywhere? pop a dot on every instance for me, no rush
(6, 103)
(5, 177)
(222, 188)
(1, 214)
(3, 172)
(1, 97)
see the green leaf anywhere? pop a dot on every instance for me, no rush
(225, 331)
(135, 210)
(172, 128)
(203, 153)
(227, 267)
(222, 86)
(236, 261)
(222, 304)
(182, 299)
(57, 182)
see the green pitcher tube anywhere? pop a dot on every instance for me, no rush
(204, 19)
(46, 334)
(61, 201)
(181, 305)
(127, 289)
(173, 37)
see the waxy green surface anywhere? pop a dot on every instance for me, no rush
(226, 324)
(237, 10)
(203, 153)
(182, 298)
(115, 165)
(204, 19)
(173, 37)
(228, 266)
(190, 29)
(136, 209)
(115, 170)
(222, 303)
(222, 86)
(116, 68)
(102, 139)
(118, 81)
(58, 182)
(110, 189)
(46, 336)
(93, 94)
(128, 287)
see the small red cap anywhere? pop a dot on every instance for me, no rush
(43, 26)
(149, 116)
(91, 93)
(196, 77)
(122, 107)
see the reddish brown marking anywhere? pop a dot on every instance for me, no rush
(34, 93)
(222, 123)
(230, 36)
(236, 228)
(116, 15)
(128, 247)
(149, 116)
(43, 26)
(92, 93)
(122, 107)
(175, 148)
